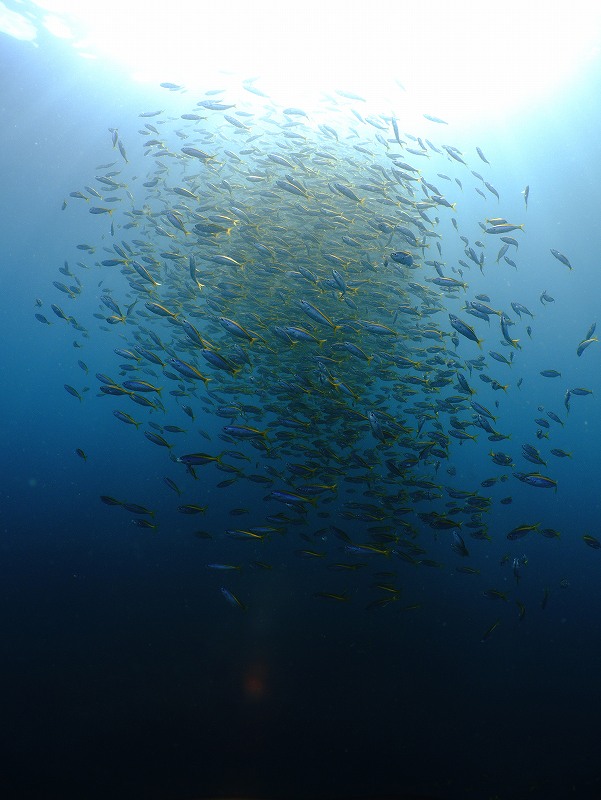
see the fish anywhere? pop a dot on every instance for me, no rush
(141, 386)
(136, 508)
(464, 329)
(73, 392)
(591, 541)
(144, 523)
(339, 598)
(194, 152)
(172, 485)
(522, 530)
(243, 432)
(488, 632)
(316, 315)
(503, 227)
(187, 370)
(232, 599)
(302, 259)
(197, 459)
(584, 344)
(458, 545)
(121, 415)
(495, 594)
(402, 257)
(155, 438)
(191, 508)
(521, 309)
(236, 329)
(492, 190)
(537, 480)
(560, 257)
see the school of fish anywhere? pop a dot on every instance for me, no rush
(277, 275)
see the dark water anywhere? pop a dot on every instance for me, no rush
(125, 674)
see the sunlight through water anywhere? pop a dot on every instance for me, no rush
(459, 61)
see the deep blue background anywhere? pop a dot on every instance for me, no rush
(124, 673)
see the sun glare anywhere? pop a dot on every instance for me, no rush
(459, 60)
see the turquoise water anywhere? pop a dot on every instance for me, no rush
(127, 671)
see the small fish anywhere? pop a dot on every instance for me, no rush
(340, 598)
(492, 190)
(232, 599)
(560, 257)
(191, 508)
(198, 459)
(490, 630)
(402, 257)
(144, 523)
(504, 227)
(550, 533)
(196, 153)
(458, 545)
(141, 386)
(172, 485)
(187, 370)
(225, 567)
(72, 391)
(350, 95)
(495, 594)
(158, 440)
(121, 415)
(98, 210)
(110, 501)
(537, 480)
(521, 531)
(135, 508)
(584, 344)
(464, 329)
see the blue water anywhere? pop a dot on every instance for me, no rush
(125, 674)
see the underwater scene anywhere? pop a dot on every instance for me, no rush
(301, 422)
